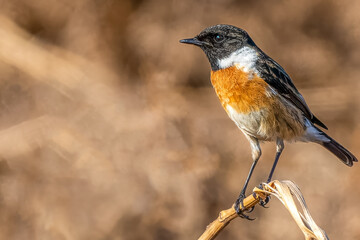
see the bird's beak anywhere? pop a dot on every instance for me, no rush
(193, 41)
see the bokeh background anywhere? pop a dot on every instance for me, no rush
(110, 129)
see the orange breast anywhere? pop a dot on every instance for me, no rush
(259, 113)
(234, 88)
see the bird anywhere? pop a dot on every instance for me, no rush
(260, 97)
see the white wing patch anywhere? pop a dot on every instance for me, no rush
(270, 92)
(244, 58)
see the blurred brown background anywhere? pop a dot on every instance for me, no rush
(110, 128)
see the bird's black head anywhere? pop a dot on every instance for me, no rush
(219, 41)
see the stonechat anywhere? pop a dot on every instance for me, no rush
(259, 96)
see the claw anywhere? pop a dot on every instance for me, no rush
(242, 215)
(240, 204)
(250, 209)
(264, 202)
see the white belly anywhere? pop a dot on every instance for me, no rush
(281, 122)
(252, 124)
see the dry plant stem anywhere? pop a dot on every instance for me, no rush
(226, 216)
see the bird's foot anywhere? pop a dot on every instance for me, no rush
(264, 202)
(239, 204)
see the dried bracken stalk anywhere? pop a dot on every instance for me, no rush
(285, 191)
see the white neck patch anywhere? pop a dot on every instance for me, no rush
(243, 58)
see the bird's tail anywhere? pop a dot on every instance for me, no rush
(342, 153)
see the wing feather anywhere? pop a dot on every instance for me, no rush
(280, 81)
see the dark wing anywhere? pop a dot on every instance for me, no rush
(278, 79)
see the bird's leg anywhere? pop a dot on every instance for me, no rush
(256, 153)
(279, 149)
(239, 201)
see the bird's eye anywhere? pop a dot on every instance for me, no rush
(219, 38)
